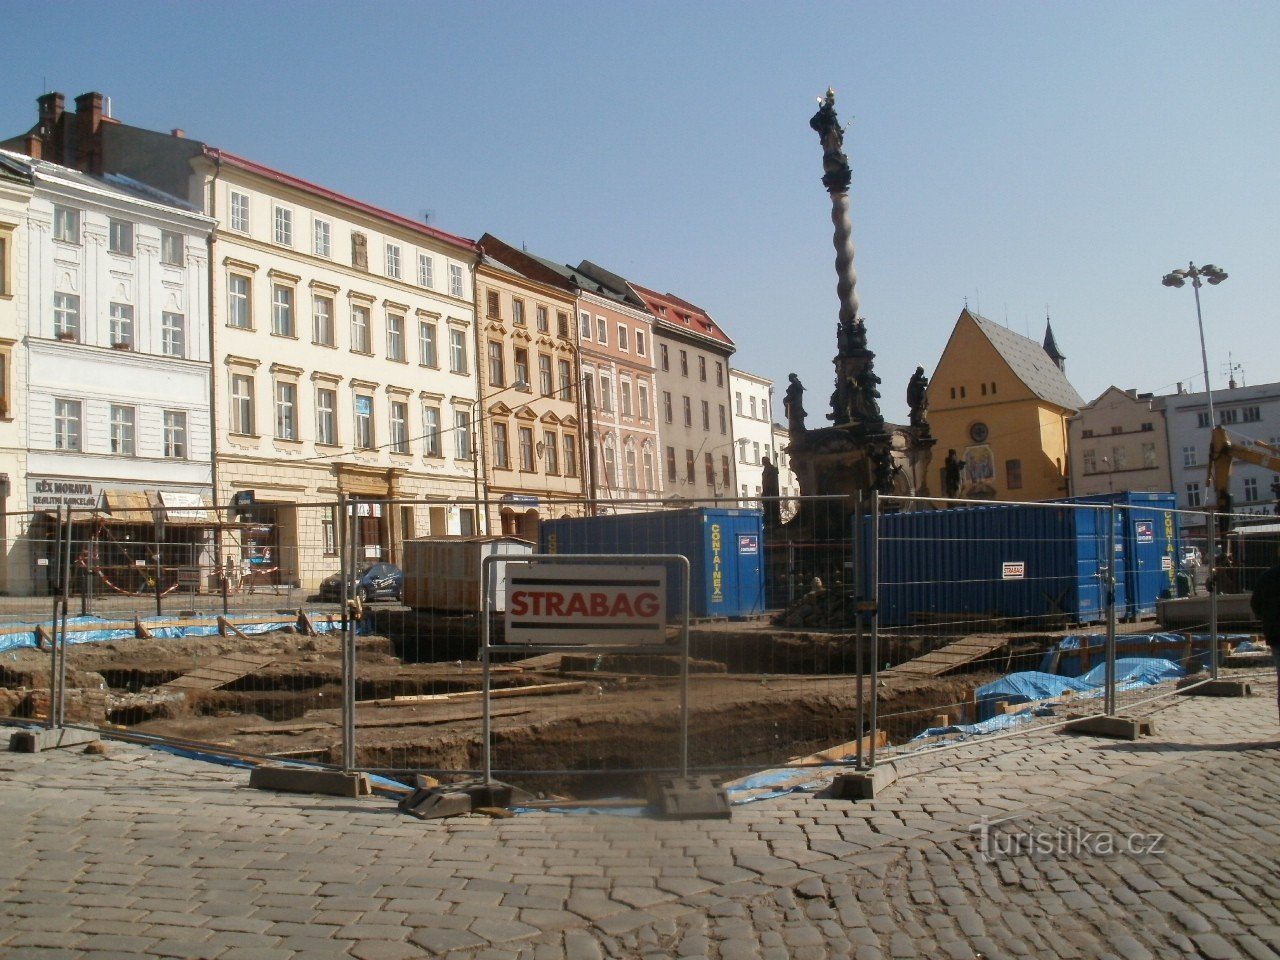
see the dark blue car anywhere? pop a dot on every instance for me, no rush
(374, 581)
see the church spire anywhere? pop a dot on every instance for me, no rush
(1051, 346)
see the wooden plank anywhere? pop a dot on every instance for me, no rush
(295, 728)
(536, 690)
(841, 751)
(220, 672)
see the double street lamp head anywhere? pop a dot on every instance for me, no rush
(1177, 278)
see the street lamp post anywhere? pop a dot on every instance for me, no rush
(1178, 278)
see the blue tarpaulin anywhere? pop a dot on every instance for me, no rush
(1164, 646)
(1033, 685)
(161, 628)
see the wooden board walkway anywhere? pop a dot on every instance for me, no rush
(951, 657)
(220, 672)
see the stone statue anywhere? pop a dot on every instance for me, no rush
(834, 162)
(769, 491)
(918, 401)
(951, 475)
(863, 407)
(793, 405)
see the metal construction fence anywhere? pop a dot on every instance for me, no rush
(872, 629)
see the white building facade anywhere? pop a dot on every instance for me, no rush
(16, 179)
(113, 362)
(1119, 443)
(346, 362)
(1248, 414)
(752, 417)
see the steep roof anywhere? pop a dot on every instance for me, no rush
(1051, 345)
(679, 314)
(1029, 363)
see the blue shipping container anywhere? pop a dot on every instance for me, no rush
(1147, 525)
(725, 549)
(1024, 564)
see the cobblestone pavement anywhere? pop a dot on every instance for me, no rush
(141, 853)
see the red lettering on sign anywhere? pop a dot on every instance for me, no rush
(598, 605)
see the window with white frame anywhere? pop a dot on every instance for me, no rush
(545, 385)
(283, 217)
(1193, 495)
(1189, 456)
(239, 312)
(457, 351)
(120, 237)
(570, 455)
(426, 271)
(497, 369)
(66, 424)
(395, 337)
(361, 336)
(564, 372)
(66, 224)
(1230, 415)
(175, 434)
(239, 211)
(455, 280)
(1251, 414)
(624, 397)
(282, 310)
(688, 411)
(753, 408)
(522, 368)
(242, 419)
(1250, 489)
(602, 331)
(326, 416)
(1202, 419)
(393, 260)
(642, 390)
(647, 457)
(431, 430)
(606, 393)
(462, 434)
(122, 430)
(173, 334)
(624, 343)
(173, 248)
(640, 347)
(286, 410)
(428, 355)
(550, 453)
(66, 316)
(544, 325)
(121, 325)
(322, 238)
(517, 312)
(364, 422)
(399, 426)
(584, 324)
(610, 464)
(323, 330)
(501, 447)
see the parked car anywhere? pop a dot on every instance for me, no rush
(374, 581)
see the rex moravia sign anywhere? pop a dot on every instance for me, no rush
(561, 603)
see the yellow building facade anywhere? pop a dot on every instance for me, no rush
(1002, 403)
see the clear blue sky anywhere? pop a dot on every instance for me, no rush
(1027, 156)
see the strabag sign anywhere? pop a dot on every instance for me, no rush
(562, 604)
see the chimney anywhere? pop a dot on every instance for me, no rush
(89, 133)
(45, 140)
(179, 133)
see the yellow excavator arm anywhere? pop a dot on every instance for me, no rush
(1223, 453)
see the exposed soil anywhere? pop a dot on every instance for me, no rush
(757, 697)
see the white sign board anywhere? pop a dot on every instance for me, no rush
(1013, 570)
(561, 604)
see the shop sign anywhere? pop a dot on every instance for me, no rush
(47, 493)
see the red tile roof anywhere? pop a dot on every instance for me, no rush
(681, 314)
